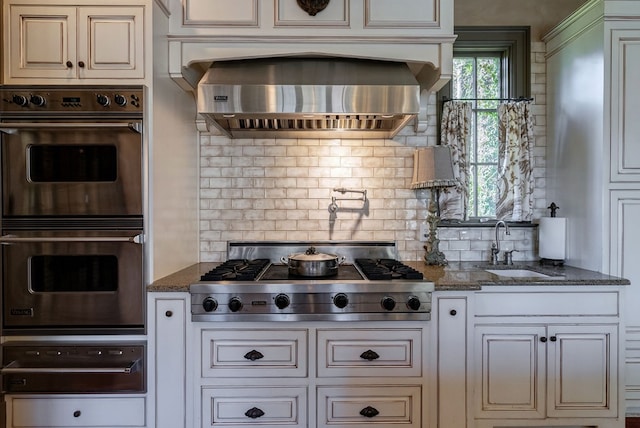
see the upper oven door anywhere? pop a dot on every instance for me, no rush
(71, 168)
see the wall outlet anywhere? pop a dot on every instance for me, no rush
(423, 232)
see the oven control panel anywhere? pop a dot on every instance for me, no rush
(287, 306)
(104, 99)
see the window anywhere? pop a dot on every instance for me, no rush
(489, 64)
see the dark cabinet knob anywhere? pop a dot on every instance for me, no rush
(543, 339)
(77, 414)
(553, 338)
(369, 412)
(341, 300)
(453, 312)
(168, 314)
(81, 64)
(388, 303)
(369, 355)
(413, 303)
(235, 304)
(253, 355)
(254, 413)
(69, 64)
(282, 301)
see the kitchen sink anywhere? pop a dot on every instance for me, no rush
(520, 273)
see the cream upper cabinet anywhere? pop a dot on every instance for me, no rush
(69, 43)
(418, 32)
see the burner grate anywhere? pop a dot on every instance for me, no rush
(387, 269)
(237, 270)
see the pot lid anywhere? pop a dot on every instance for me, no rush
(312, 255)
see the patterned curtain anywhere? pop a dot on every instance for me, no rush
(515, 178)
(455, 133)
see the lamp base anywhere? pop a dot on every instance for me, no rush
(434, 256)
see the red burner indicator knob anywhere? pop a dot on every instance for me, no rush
(282, 301)
(413, 303)
(340, 300)
(209, 304)
(235, 304)
(388, 303)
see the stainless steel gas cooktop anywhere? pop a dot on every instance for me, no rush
(254, 285)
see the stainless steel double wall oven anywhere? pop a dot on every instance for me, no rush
(72, 210)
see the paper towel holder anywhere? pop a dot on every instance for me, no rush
(552, 262)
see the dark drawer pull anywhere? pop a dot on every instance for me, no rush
(369, 412)
(253, 355)
(77, 414)
(369, 355)
(254, 413)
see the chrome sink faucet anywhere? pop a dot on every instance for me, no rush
(495, 247)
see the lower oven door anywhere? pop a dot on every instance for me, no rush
(81, 282)
(34, 368)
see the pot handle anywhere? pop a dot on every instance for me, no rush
(284, 260)
(342, 259)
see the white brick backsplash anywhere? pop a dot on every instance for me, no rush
(267, 189)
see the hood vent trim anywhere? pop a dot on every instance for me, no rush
(308, 98)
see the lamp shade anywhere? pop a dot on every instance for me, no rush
(433, 168)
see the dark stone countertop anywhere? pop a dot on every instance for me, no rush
(457, 276)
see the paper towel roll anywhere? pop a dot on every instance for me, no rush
(552, 233)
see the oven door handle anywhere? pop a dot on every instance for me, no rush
(16, 367)
(13, 239)
(13, 127)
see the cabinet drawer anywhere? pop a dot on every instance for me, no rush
(547, 303)
(77, 412)
(264, 353)
(369, 352)
(263, 406)
(366, 406)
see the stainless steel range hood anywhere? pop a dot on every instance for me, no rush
(308, 98)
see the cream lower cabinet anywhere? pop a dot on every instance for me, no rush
(55, 43)
(548, 358)
(312, 375)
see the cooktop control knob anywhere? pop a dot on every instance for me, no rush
(341, 300)
(388, 303)
(120, 100)
(209, 304)
(413, 303)
(103, 100)
(282, 301)
(20, 100)
(38, 100)
(235, 304)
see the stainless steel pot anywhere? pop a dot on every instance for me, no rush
(313, 264)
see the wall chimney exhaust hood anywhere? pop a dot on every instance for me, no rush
(324, 97)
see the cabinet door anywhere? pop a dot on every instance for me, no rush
(625, 103)
(169, 338)
(113, 46)
(452, 362)
(42, 42)
(510, 372)
(582, 371)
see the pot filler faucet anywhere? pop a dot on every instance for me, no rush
(495, 247)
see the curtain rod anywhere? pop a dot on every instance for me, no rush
(445, 99)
